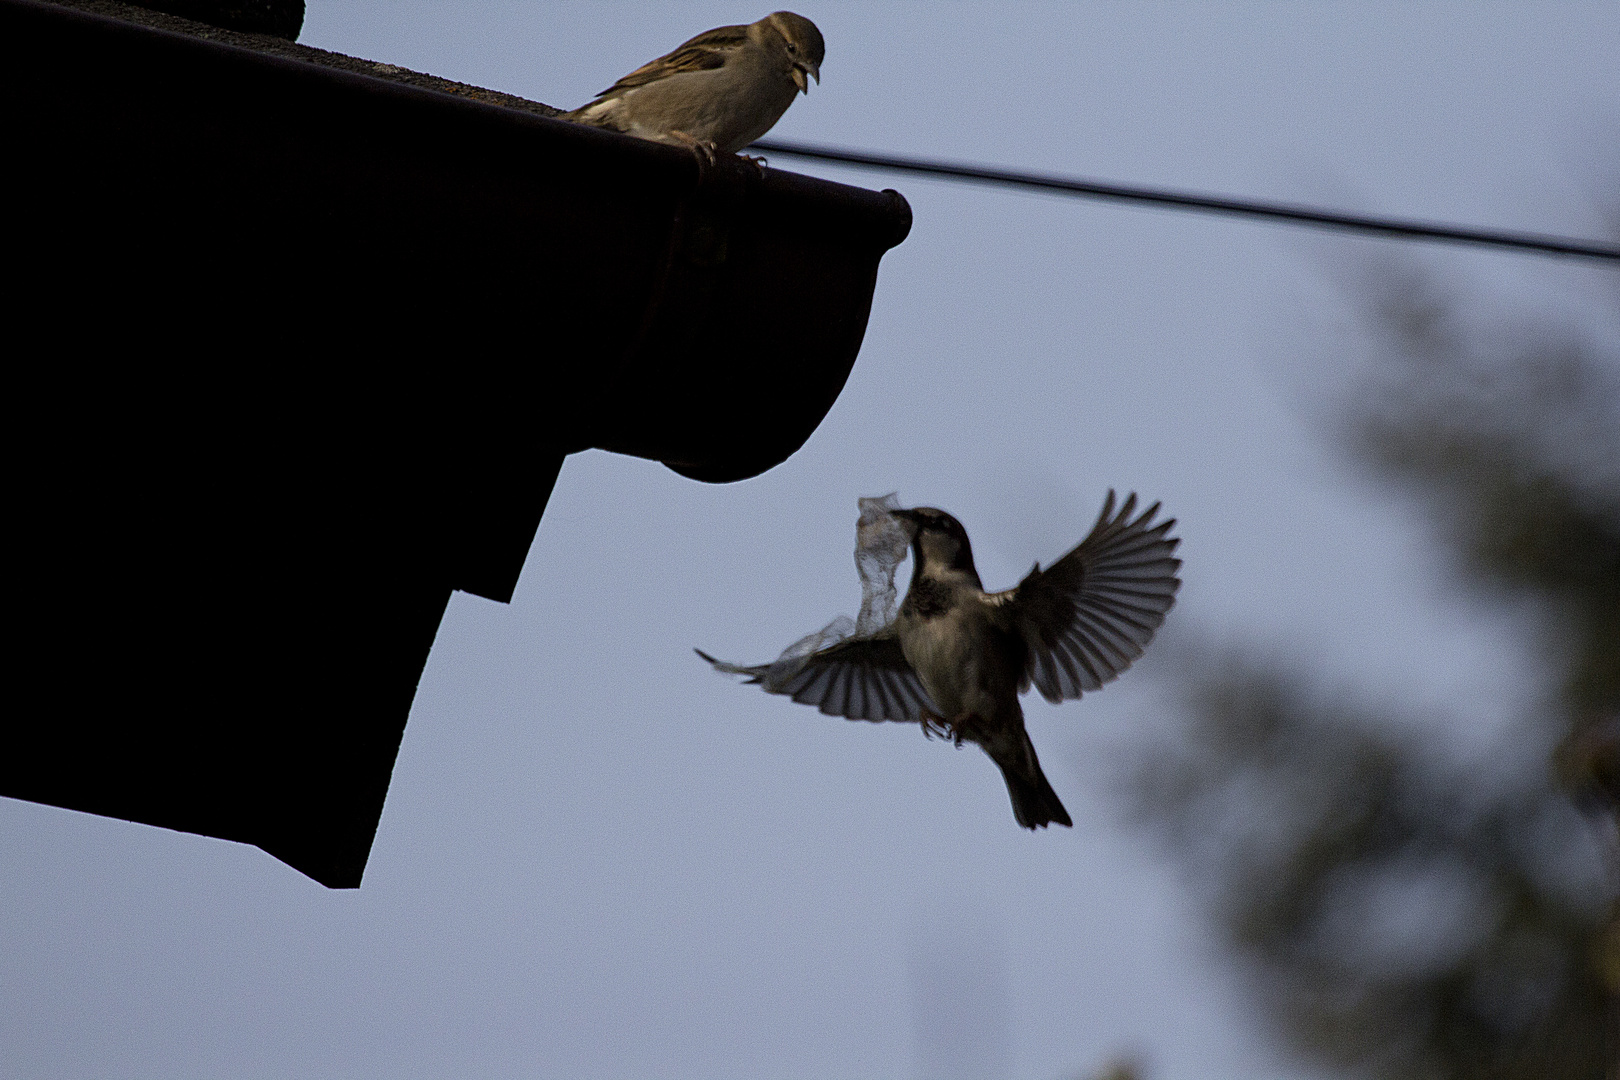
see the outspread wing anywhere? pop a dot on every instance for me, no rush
(1089, 615)
(708, 50)
(864, 678)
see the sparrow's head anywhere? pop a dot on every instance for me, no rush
(938, 541)
(797, 44)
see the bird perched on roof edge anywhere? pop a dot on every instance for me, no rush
(956, 657)
(719, 91)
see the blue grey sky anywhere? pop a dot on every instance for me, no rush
(599, 859)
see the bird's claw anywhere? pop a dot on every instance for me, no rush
(702, 149)
(957, 729)
(963, 726)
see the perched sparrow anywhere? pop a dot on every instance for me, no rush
(718, 92)
(956, 657)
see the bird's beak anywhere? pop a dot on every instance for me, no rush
(801, 68)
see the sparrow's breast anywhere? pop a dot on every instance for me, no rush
(756, 95)
(954, 653)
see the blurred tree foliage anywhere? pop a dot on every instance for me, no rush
(1404, 915)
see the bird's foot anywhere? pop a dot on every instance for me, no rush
(934, 724)
(702, 149)
(964, 725)
(759, 163)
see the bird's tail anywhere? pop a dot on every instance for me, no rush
(1035, 804)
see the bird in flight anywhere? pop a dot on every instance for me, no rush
(955, 658)
(718, 92)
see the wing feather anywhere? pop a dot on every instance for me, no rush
(836, 699)
(862, 678)
(1114, 649)
(706, 51)
(1088, 616)
(1088, 672)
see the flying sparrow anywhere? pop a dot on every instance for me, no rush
(718, 92)
(956, 658)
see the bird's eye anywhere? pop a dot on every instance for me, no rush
(792, 48)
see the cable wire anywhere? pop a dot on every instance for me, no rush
(1219, 204)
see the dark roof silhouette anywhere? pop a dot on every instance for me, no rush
(300, 343)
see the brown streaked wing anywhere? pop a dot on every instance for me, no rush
(706, 51)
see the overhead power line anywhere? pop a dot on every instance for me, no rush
(1217, 204)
